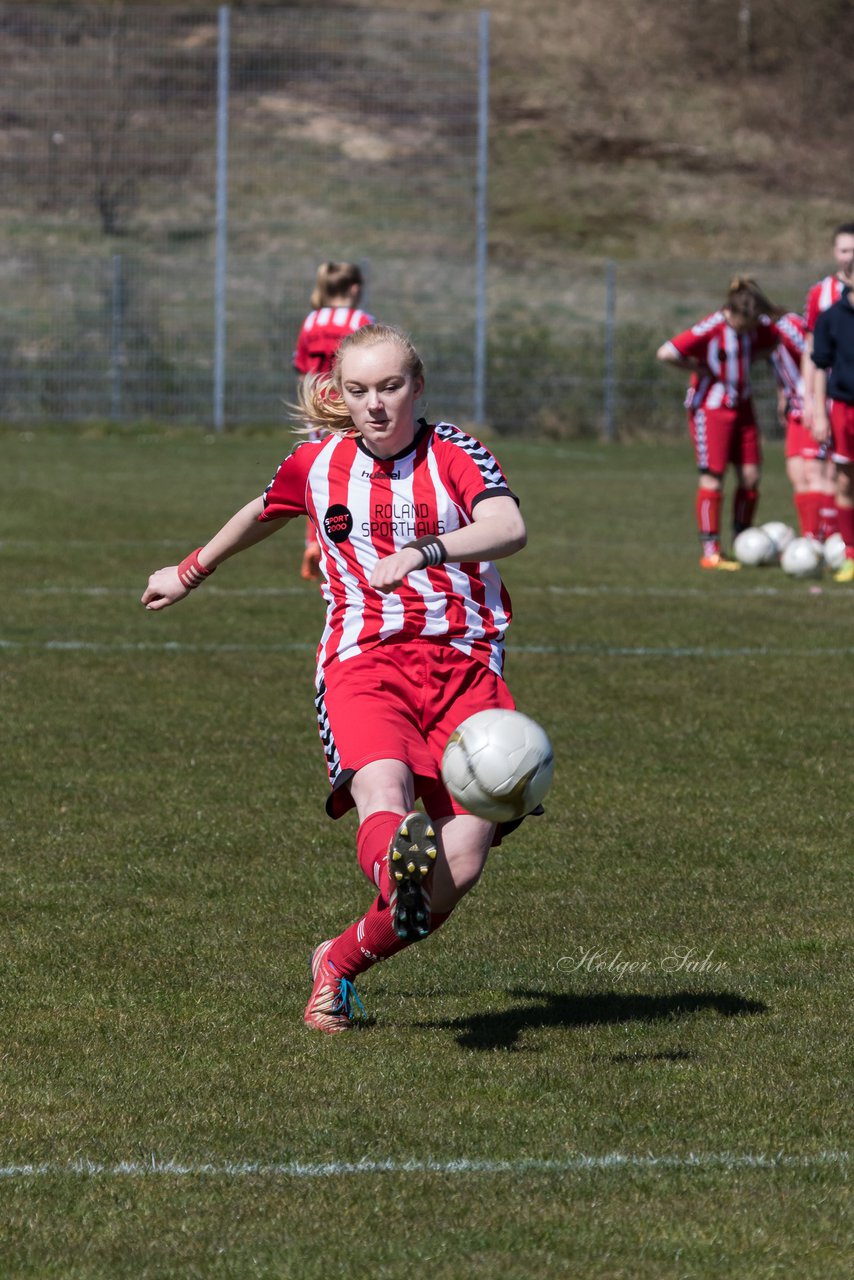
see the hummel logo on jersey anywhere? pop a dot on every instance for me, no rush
(380, 475)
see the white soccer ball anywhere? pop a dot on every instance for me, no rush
(753, 547)
(834, 551)
(498, 764)
(802, 558)
(780, 534)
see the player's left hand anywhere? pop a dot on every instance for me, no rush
(390, 572)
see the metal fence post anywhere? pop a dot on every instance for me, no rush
(610, 377)
(480, 220)
(221, 220)
(116, 338)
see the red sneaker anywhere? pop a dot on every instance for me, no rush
(719, 561)
(330, 1004)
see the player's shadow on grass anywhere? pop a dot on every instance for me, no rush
(501, 1030)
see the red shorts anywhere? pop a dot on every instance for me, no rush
(723, 436)
(800, 441)
(842, 425)
(401, 701)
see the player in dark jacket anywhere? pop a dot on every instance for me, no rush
(833, 410)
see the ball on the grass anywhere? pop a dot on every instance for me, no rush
(834, 551)
(498, 764)
(802, 559)
(780, 533)
(754, 547)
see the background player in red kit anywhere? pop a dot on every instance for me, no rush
(409, 517)
(833, 410)
(719, 351)
(823, 294)
(335, 312)
(806, 459)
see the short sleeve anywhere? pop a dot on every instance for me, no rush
(285, 495)
(301, 357)
(791, 336)
(811, 310)
(470, 470)
(691, 343)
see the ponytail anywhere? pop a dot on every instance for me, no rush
(746, 300)
(335, 280)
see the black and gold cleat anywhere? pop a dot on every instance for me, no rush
(411, 858)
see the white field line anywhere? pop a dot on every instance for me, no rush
(84, 544)
(523, 588)
(144, 646)
(136, 592)
(567, 650)
(341, 1168)
(688, 651)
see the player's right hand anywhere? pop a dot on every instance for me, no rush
(390, 572)
(164, 588)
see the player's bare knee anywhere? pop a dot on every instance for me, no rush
(464, 872)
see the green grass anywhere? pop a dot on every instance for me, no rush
(167, 868)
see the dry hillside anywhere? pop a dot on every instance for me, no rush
(680, 140)
(705, 128)
(710, 129)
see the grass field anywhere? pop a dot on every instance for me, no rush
(628, 1055)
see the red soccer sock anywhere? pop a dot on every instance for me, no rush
(371, 939)
(846, 528)
(744, 508)
(708, 508)
(807, 506)
(828, 516)
(372, 841)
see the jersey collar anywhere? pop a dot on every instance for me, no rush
(423, 428)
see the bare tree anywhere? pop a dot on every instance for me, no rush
(106, 106)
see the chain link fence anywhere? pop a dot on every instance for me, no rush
(572, 345)
(351, 134)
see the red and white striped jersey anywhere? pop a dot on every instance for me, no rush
(820, 297)
(321, 335)
(727, 355)
(363, 508)
(786, 359)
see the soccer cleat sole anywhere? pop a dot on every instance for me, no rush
(411, 858)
